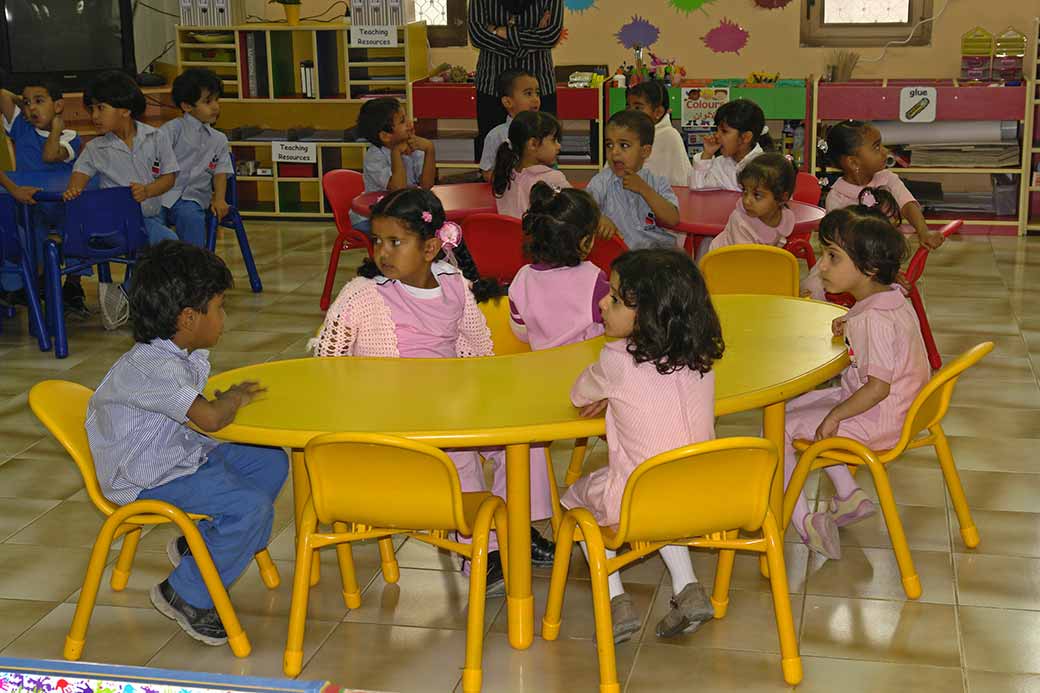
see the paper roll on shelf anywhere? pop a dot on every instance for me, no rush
(948, 132)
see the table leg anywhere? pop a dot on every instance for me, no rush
(773, 429)
(301, 485)
(519, 600)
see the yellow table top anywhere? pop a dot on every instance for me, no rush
(776, 349)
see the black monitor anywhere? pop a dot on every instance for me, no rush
(67, 41)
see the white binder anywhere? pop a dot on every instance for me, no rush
(205, 13)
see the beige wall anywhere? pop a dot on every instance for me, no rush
(773, 45)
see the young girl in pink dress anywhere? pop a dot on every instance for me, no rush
(410, 303)
(555, 300)
(862, 252)
(526, 158)
(761, 216)
(855, 147)
(658, 389)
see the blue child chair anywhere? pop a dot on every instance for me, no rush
(101, 226)
(15, 249)
(233, 221)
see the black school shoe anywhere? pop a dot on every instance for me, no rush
(496, 579)
(201, 624)
(74, 301)
(542, 550)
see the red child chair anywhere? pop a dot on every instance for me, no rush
(806, 189)
(605, 251)
(496, 243)
(341, 187)
(913, 272)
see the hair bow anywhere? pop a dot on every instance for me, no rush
(450, 235)
(867, 199)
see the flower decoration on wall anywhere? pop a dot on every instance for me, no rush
(579, 5)
(727, 37)
(688, 6)
(637, 32)
(772, 4)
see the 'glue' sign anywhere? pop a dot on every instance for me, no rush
(373, 36)
(294, 152)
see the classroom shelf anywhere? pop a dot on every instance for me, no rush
(266, 88)
(1029, 200)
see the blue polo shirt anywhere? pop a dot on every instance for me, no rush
(28, 146)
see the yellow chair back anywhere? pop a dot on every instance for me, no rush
(61, 406)
(931, 403)
(383, 481)
(496, 312)
(699, 489)
(751, 269)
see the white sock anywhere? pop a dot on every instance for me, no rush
(614, 586)
(677, 559)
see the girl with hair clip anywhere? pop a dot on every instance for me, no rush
(740, 136)
(862, 252)
(761, 215)
(669, 157)
(855, 147)
(526, 158)
(410, 300)
(658, 390)
(555, 300)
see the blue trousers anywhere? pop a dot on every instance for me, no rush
(189, 218)
(157, 231)
(236, 487)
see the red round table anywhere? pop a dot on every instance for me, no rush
(460, 200)
(705, 213)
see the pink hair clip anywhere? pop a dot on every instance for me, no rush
(867, 199)
(450, 235)
(427, 217)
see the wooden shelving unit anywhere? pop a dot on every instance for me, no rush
(875, 100)
(260, 66)
(1029, 201)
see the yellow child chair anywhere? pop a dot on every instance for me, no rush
(496, 312)
(750, 269)
(925, 414)
(62, 407)
(351, 490)
(698, 495)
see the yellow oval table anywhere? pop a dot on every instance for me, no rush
(776, 349)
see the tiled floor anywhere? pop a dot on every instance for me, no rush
(976, 627)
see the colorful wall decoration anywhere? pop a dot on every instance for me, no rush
(637, 32)
(727, 37)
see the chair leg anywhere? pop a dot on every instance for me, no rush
(55, 306)
(77, 635)
(554, 493)
(121, 570)
(388, 561)
(472, 671)
(345, 556)
(330, 273)
(934, 360)
(558, 580)
(36, 321)
(577, 460)
(211, 232)
(790, 661)
(247, 253)
(969, 532)
(292, 660)
(238, 641)
(268, 570)
(911, 581)
(608, 682)
(723, 575)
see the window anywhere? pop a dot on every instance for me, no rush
(445, 21)
(865, 22)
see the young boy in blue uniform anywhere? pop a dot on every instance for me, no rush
(33, 121)
(137, 427)
(202, 154)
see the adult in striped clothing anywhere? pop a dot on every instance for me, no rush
(512, 34)
(137, 427)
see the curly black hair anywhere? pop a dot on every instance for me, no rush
(867, 236)
(676, 325)
(771, 171)
(118, 90)
(189, 85)
(169, 277)
(407, 206)
(557, 224)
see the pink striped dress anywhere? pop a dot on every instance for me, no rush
(647, 413)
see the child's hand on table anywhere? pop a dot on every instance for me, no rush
(24, 194)
(838, 326)
(244, 392)
(592, 410)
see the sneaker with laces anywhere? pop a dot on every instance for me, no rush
(542, 550)
(846, 511)
(690, 608)
(177, 550)
(201, 624)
